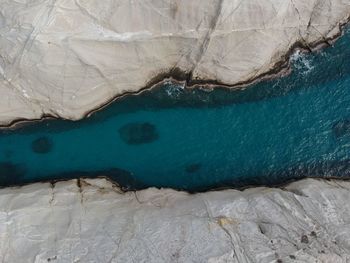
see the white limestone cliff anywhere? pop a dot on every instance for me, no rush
(65, 58)
(93, 221)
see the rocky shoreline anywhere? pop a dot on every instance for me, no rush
(55, 69)
(93, 220)
(67, 59)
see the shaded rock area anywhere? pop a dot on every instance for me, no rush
(138, 133)
(88, 220)
(126, 180)
(42, 145)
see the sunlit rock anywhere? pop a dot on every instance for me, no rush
(93, 221)
(65, 58)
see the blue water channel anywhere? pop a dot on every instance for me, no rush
(193, 139)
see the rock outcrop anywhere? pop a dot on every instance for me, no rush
(91, 220)
(64, 58)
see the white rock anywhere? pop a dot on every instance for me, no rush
(65, 58)
(308, 221)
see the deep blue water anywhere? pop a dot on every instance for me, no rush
(272, 132)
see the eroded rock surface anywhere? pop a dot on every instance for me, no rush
(65, 58)
(92, 221)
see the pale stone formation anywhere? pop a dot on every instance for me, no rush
(93, 221)
(64, 58)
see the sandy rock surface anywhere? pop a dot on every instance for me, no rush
(92, 221)
(65, 58)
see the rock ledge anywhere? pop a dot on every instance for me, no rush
(91, 220)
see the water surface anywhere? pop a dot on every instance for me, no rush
(274, 131)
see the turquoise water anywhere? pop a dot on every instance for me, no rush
(270, 133)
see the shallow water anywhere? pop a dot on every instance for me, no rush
(270, 133)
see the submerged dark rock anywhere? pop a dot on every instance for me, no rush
(10, 173)
(42, 145)
(192, 168)
(138, 133)
(341, 128)
(8, 154)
